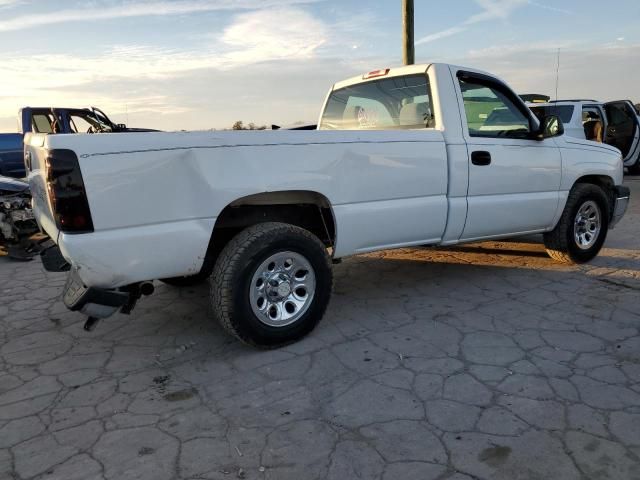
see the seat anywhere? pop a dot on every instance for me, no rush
(593, 130)
(350, 118)
(416, 115)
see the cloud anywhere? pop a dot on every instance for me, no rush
(495, 10)
(135, 9)
(249, 39)
(491, 10)
(106, 78)
(441, 34)
(9, 3)
(281, 92)
(502, 51)
(551, 8)
(254, 37)
(614, 76)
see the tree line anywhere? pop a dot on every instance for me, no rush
(239, 125)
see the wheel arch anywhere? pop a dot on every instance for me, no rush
(307, 209)
(605, 182)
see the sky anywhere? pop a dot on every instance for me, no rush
(202, 64)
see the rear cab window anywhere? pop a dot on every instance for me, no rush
(387, 104)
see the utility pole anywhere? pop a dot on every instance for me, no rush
(408, 49)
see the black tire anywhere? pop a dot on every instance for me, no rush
(560, 242)
(234, 270)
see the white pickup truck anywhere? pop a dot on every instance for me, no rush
(401, 157)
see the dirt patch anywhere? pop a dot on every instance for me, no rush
(495, 456)
(181, 395)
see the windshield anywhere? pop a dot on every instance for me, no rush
(86, 121)
(565, 112)
(386, 104)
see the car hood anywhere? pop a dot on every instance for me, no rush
(12, 185)
(572, 141)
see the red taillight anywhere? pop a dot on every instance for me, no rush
(67, 193)
(375, 73)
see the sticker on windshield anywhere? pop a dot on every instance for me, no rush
(367, 118)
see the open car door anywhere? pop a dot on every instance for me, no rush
(623, 132)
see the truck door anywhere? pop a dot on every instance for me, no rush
(623, 130)
(514, 180)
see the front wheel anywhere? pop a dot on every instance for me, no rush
(271, 284)
(582, 228)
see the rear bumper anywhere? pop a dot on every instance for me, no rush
(621, 202)
(93, 302)
(116, 258)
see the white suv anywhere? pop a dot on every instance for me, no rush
(615, 123)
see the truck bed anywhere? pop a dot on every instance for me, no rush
(163, 191)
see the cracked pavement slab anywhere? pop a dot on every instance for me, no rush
(485, 361)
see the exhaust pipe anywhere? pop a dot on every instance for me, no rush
(147, 288)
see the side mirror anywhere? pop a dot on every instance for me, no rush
(121, 126)
(550, 126)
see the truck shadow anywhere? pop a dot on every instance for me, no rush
(371, 292)
(532, 247)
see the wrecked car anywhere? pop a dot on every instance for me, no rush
(53, 120)
(17, 223)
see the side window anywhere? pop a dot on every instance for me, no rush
(490, 113)
(386, 104)
(592, 124)
(42, 123)
(565, 112)
(590, 114)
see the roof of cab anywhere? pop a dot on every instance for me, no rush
(393, 72)
(565, 103)
(400, 71)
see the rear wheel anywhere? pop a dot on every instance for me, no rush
(271, 284)
(582, 228)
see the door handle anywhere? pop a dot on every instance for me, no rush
(481, 158)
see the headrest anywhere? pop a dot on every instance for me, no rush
(350, 117)
(415, 114)
(587, 115)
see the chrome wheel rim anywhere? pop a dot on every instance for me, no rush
(586, 228)
(282, 289)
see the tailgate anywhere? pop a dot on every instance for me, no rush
(35, 154)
